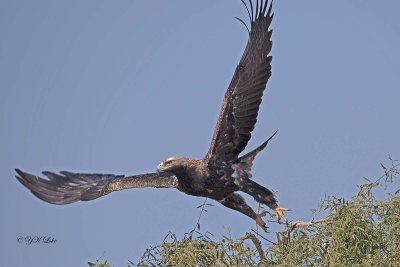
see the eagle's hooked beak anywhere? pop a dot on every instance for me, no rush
(160, 167)
(165, 165)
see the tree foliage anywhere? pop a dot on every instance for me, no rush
(361, 231)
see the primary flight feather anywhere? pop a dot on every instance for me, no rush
(222, 172)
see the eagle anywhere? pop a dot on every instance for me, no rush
(223, 171)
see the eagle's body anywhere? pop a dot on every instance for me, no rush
(222, 171)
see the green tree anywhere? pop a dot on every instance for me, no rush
(361, 231)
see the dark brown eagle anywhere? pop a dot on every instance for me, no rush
(222, 172)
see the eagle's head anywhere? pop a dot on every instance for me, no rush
(172, 164)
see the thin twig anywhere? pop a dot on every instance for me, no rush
(266, 239)
(201, 213)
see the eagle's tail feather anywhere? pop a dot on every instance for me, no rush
(246, 162)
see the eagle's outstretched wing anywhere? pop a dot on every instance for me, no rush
(71, 187)
(242, 100)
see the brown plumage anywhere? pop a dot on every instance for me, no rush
(221, 173)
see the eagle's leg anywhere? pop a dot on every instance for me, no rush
(236, 202)
(262, 195)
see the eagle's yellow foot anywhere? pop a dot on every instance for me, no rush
(260, 221)
(279, 213)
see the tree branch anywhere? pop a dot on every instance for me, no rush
(256, 243)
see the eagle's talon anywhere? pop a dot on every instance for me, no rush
(279, 213)
(260, 221)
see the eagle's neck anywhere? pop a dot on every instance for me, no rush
(190, 170)
(191, 177)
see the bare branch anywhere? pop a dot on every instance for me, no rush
(257, 244)
(284, 237)
(302, 224)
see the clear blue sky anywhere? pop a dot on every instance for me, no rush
(118, 86)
